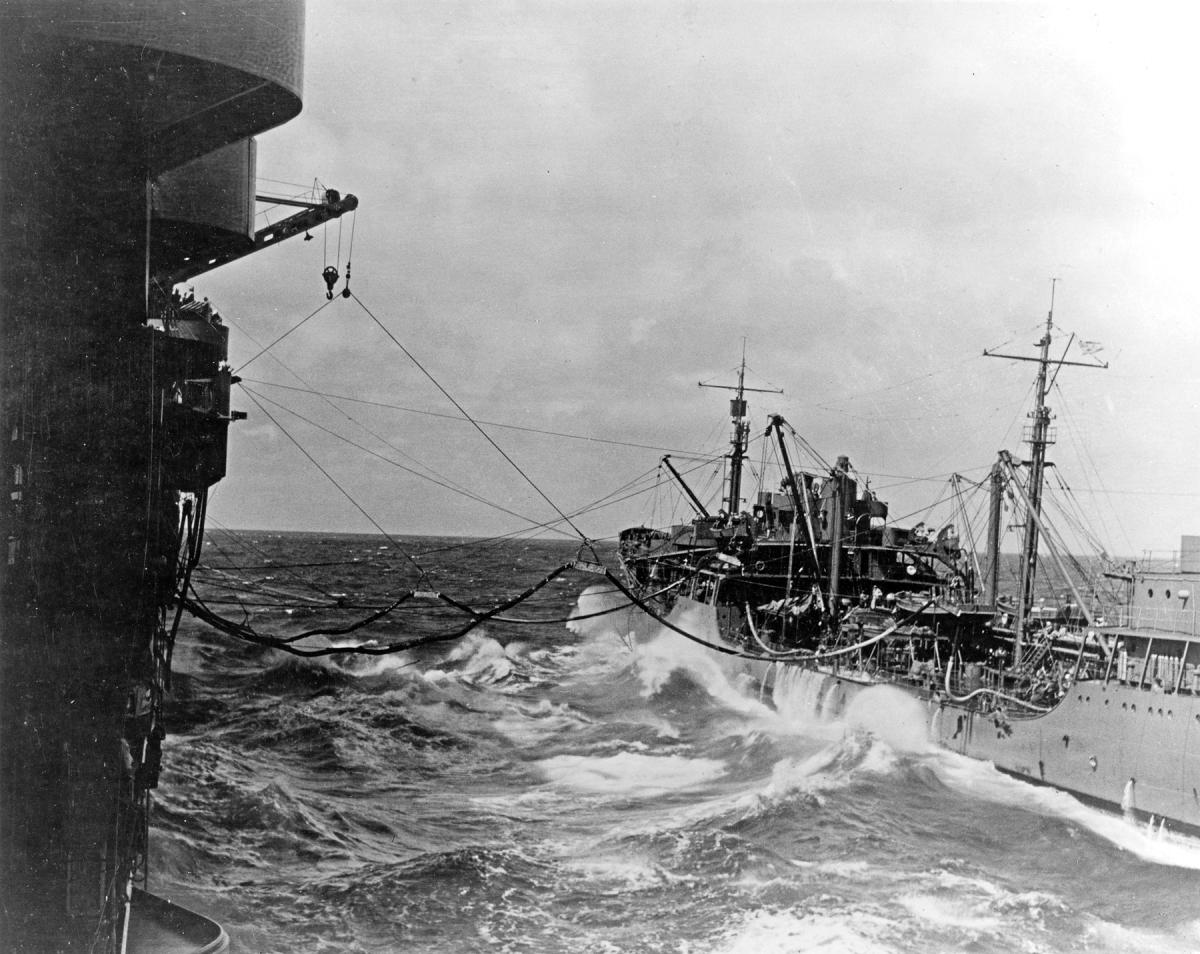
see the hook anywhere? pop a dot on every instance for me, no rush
(331, 276)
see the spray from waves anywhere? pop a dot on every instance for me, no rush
(821, 704)
(833, 767)
(479, 658)
(662, 652)
(901, 721)
(1148, 842)
(475, 658)
(659, 652)
(669, 653)
(370, 667)
(892, 715)
(617, 619)
(815, 777)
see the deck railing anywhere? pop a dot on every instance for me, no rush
(1181, 619)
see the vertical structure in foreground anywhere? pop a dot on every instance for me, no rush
(125, 150)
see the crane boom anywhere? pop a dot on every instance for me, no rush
(311, 215)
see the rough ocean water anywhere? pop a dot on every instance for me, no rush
(598, 786)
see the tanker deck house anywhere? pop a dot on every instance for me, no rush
(127, 159)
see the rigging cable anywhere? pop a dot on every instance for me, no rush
(194, 517)
(353, 420)
(460, 420)
(439, 477)
(198, 608)
(250, 545)
(466, 493)
(1085, 456)
(350, 252)
(281, 337)
(742, 654)
(484, 433)
(420, 569)
(455, 417)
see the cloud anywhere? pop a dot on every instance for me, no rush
(573, 212)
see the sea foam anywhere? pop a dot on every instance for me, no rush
(630, 773)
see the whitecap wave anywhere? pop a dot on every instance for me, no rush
(982, 780)
(1121, 939)
(630, 773)
(617, 617)
(476, 659)
(784, 932)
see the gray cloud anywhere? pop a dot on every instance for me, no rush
(572, 213)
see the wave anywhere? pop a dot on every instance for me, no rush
(785, 932)
(630, 773)
(475, 659)
(1146, 841)
(886, 909)
(603, 611)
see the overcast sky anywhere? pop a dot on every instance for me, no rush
(571, 213)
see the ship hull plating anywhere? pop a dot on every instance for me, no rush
(1113, 746)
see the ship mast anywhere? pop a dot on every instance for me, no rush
(1039, 436)
(741, 432)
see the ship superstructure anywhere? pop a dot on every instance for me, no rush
(128, 164)
(1058, 680)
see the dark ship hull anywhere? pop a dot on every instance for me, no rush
(128, 165)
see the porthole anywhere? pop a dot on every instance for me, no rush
(1133, 707)
(1167, 594)
(1150, 593)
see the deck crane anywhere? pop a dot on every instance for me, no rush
(333, 205)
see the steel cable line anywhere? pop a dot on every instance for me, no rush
(198, 608)
(1073, 513)
(239, 586)
(1085, 455)
(357, 506)
(466, 493)
(455, 417)
(308, 389)
(423, 572)
(529, 480)
(598, 504)
(284, 335)
(731, 651)
(250, 545)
